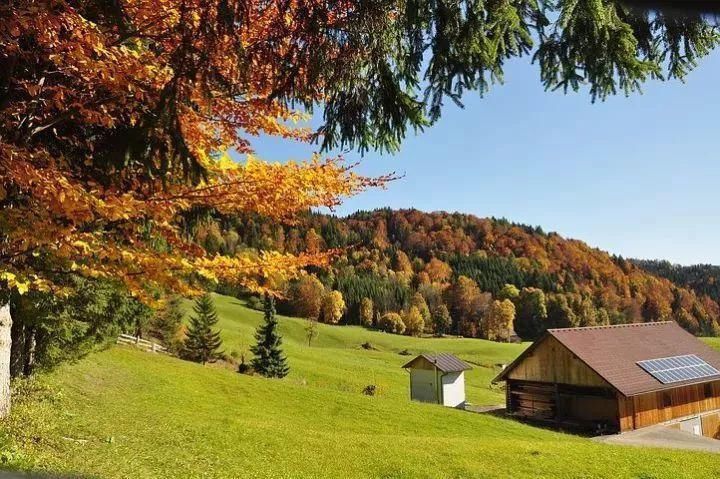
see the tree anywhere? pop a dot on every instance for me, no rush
(560, 314)
(366, 312)
(5, 342)
(306, 296)
(333, 307)
(311, 330)
(413, 321)
(509, 291)
(442, 322)
(467, 305)
(391, 323)
(438, 271)
(418, 301)
(531, 313)
(203, 343)
(167, 323)
(401, 263)
(269, 360)
(498, 322)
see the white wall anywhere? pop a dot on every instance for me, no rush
(453, 385)
(423, 385)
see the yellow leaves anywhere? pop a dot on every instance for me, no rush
(13, 282)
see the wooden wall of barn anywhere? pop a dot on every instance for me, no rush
(660, 406)
(551, 362)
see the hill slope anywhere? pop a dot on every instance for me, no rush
(389, 255)
(124, 413)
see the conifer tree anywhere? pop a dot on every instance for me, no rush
(269, 360)
(203, 343)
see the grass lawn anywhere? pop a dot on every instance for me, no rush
(124, 413)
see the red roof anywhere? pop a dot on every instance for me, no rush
(613, 352)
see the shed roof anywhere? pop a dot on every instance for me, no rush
(613, 352)
(445, 362)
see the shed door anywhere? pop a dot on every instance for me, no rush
(423, 386)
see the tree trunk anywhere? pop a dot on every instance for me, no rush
(5, 343)
(29, 353)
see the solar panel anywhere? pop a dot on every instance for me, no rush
(678, 368)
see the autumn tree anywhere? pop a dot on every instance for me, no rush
(333, 307)
(467, 305)
(366, 312)
(497, 324)
(306, 296)
(418, 301)
(401, 263)
(203, 342)
(414, 322)
(391, 323)
(438, 271)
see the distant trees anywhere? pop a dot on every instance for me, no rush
(406, 257)
(413, 321)
(391, 323)
(467, 304)
(531, 313)
(560, 314)
(306, 296)
(442, 322)
(166, 324)
(366, 312)
(333, 307)
(498, 322)
(418, 301)
(269, 360)
(203, 343)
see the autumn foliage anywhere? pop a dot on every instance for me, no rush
(114, 122)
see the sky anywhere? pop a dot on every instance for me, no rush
(636, 176)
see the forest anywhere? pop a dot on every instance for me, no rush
(414, 272)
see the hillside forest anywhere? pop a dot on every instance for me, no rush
(406, 271)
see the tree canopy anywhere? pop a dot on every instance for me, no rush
(114, 116)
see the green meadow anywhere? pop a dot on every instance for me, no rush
(124, 413)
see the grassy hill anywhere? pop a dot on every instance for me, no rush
(124, 413)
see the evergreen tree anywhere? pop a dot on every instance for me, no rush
(269, 360)
(202, 344)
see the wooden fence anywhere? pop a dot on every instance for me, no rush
(143, 344)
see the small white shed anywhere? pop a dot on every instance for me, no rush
(438, 378)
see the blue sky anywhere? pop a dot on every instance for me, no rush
(636, 176)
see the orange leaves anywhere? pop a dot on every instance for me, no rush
(109, 102)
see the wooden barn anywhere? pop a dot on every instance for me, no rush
(438, 378)
(617, 378)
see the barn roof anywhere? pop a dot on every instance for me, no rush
(613, 352)
(445, 362)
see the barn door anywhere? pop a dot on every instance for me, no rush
(533, 400)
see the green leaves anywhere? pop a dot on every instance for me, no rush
(439, 49)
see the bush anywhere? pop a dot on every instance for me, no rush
(256, 303)
(391, 323)
(370, 390)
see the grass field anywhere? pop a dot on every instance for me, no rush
(124, 413)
